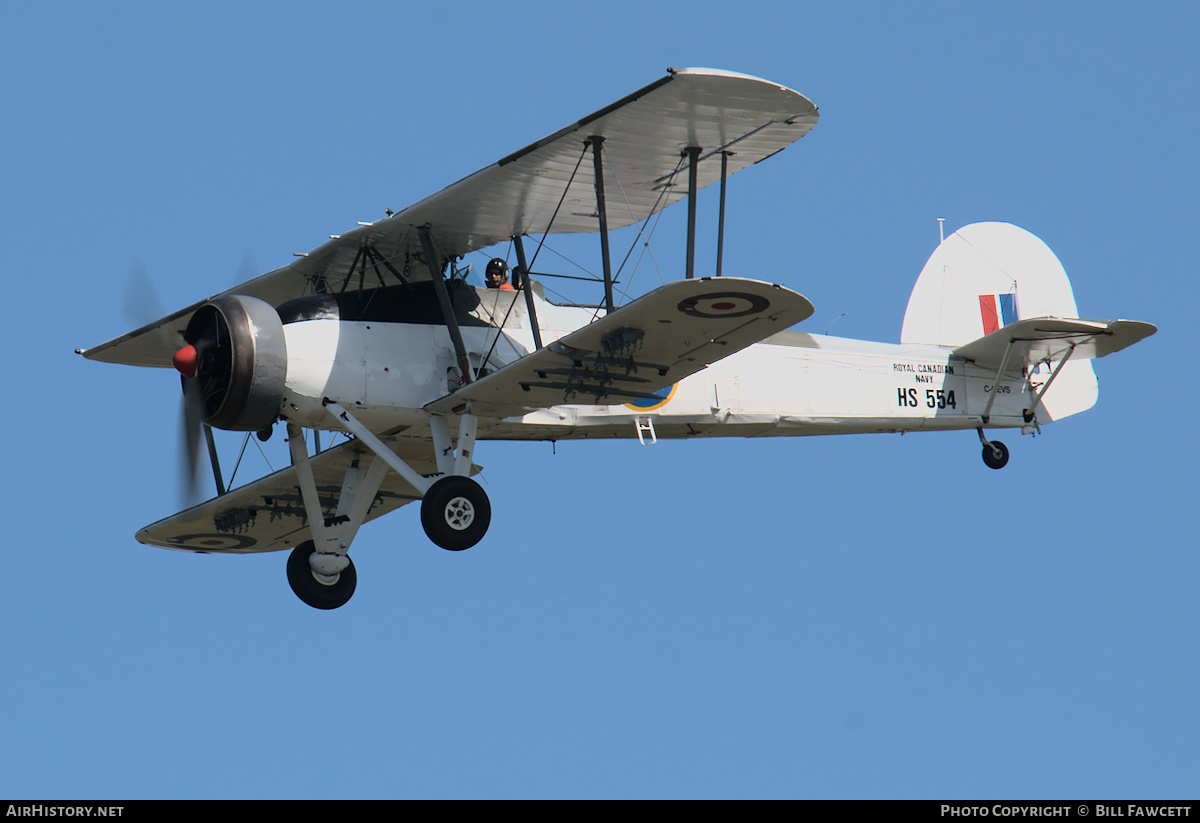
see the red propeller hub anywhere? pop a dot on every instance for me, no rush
(184, 361)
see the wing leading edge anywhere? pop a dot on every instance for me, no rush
(645, 133)
(658, 339)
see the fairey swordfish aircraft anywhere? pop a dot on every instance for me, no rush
(378, 335)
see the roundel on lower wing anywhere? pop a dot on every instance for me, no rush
(724, 304)
(661, 398)
(214, 542)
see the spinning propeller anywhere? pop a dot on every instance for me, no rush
(204, 366)
(232, 367)
(143, 306)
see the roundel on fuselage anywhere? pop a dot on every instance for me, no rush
(661, 398)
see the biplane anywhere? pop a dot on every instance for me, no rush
(379, 335)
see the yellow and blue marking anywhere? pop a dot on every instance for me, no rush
(661, 398)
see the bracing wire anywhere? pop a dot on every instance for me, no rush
(264, 454)
(538, 250)
(238, 462)
(566, 189)
(654, 213)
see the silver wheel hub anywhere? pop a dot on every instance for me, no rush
(460, 513)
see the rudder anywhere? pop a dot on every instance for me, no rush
(985, 276)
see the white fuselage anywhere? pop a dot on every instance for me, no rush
(791, 384)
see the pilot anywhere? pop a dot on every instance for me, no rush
(496, 275)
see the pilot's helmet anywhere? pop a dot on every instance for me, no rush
(497, 264)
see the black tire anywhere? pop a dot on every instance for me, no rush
(990, 457)
(310, 590)
(456, 513)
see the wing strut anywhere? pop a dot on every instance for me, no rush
(596, 142)
(212, 456)
(693, 155)
(529, 306)
(376, 259)
(439, 288)
(721, 211)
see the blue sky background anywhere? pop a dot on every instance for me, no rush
(869, 616)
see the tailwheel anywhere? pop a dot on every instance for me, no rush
(311, 590)
(456, 513)
(995, 454)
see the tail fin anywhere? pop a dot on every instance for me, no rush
(986, 276)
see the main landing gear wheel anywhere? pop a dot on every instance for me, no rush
(995, 454)
(312, 591)
(456, 513)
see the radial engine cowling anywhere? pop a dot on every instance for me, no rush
(237, 356)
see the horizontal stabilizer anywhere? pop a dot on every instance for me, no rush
(658, 339)
(268, 514)
(1050, 338)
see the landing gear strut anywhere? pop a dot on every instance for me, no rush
(454, 509)
(319, 570)
(995, 453)
(317, 593)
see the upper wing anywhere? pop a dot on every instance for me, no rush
(644, 136)
(1049, 338)
(658, 339)
(268, 514)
